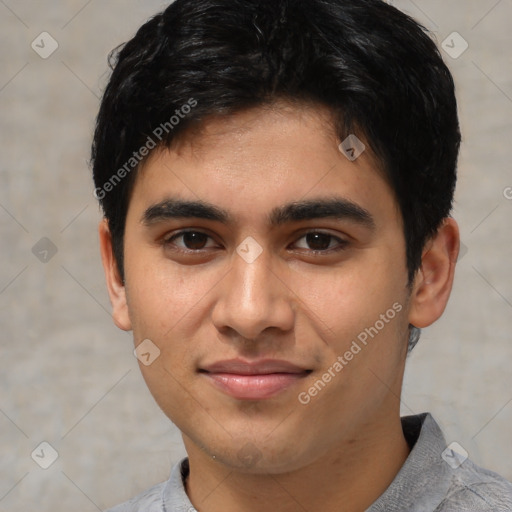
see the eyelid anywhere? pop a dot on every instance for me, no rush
(169, 238)
(341, 242)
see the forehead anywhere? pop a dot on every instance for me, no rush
(249, 162)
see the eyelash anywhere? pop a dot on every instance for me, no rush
(342, 244)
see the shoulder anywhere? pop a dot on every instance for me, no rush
(477, 489)
(440, 478)
(148, 501)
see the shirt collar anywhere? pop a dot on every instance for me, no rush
(423, 469)
(174, 496)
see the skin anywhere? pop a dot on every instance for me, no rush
(346, 445)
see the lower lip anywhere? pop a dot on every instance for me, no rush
(254, 387)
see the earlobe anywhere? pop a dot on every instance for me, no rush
(115, 286)
(433, 282)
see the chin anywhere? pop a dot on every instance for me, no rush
(253, 458)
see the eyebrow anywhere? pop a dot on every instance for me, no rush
(333, 208)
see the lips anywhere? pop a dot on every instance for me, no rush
(256, 380)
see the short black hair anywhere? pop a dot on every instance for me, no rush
(377, 70)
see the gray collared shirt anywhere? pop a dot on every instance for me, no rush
(434, 478)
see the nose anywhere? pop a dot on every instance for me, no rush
(254, 298)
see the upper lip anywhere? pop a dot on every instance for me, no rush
(260, 367)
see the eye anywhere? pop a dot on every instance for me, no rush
(321, 242)
(191, 240)
(196, 241)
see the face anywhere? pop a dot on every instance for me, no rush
(269, 272)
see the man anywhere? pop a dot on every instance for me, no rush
(276, 179)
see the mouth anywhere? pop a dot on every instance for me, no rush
(257, 380)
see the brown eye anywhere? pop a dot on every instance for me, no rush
(191, 240)
(318, 241)
(321, 242)
(194, 240)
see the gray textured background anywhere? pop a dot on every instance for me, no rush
(68, 375)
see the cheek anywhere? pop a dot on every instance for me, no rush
(164, 298)
(343, 302)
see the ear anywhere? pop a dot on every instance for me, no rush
(433, 282)
(115, 285)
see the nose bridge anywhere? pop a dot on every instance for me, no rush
(254, 280)
(252, 298)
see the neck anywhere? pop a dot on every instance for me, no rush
(350, 477)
